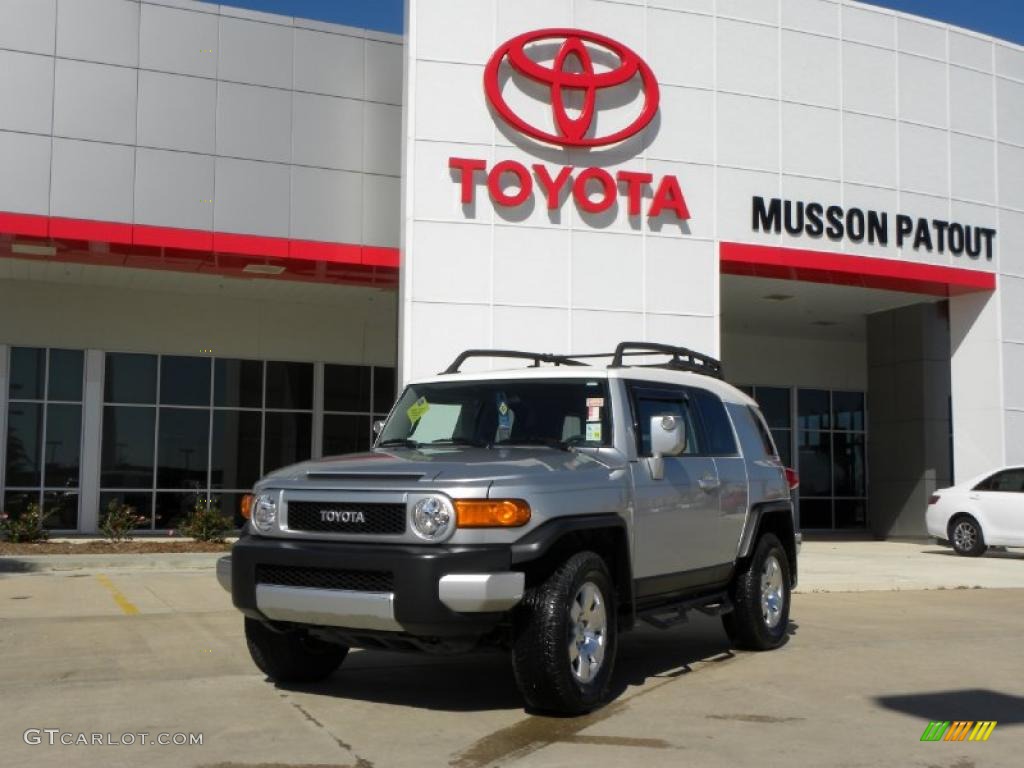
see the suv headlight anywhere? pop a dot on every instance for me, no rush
(432, 518)
(264, 512)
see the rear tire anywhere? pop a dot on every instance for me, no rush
(760, 594)
(966, 537)
(292, 656)
(565, 638)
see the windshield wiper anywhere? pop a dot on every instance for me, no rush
(405, 442)
(460, 441)
(549, 442)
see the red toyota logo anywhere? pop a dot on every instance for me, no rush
(572, 131)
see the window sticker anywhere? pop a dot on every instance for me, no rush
(593, 413)
(593, 431)
(506, 418)
(595, 402)
(416, 411)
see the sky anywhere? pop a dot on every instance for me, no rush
(1001, 18)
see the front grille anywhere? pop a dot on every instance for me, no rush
(325, 578)
(346, 517)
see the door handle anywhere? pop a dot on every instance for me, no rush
(709, 483)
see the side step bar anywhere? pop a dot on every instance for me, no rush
(670, 614)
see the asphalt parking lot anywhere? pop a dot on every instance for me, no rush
(151, 650)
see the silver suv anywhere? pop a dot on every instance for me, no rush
(542, 510)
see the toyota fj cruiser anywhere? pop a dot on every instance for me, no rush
(542, 510)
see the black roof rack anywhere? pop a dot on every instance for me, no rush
(682, 359)
(536, 357)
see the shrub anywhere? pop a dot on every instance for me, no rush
(205, 522)
(29, 525)
(120, 520)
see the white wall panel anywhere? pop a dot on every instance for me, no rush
(95, 101)
(869, 80)
(1013, 373)
(972, 175)
(869, 150)
(25, 81)
(523, 253)
(810, 69)
(327, 132)
(1010, 161)
(1010, 114)
(255, 52)
(691, 64)
(967, 50)
(384, 72)
(607, 271)
(25, 181)
(252, 197)
(1009, 60)
(766, 11)
(524, 15)
(748, 132)
(382, 197)
(91, 180)
(924, 159)
(254, 122)
(970, 101)
(470, 22)
(382, 131)
(811, 140)
(921, 38)
(177, 112)
(28, 25)
(465, 117)
(326, 205)
(179, 41)
(106, 31)
(540, 328)
(680, 276)
(865, 26)
(923, 96)
(453, 263)
(748, 58)
(330, 64)
(686, 132)
(174, 189)
(1011, 243)
(819, 16)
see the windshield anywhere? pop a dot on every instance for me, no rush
(559, 413)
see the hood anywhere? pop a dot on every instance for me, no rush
(438, 464)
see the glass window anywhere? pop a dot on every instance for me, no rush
(17, 502)
(127, 453)
(1007, 481)
(813, 409)
(851, 513)
(784, 445)
(170, 509)
(231, 504)
(717, 427)
(62, 450)
(287, 439)
(27, 367)
(347, 388)
(815, 464)
(850, 464)
(383, 389)
(130, 378)
(290, 385)
(815, 513)
(182, 448)
(238, 383)
(346, 434)
(848, 411)
(62, 507)
(66, 367)
(24, 428)
(766, 440)
(235, 456)
(184, 380)
(141, 501)
(775, 405)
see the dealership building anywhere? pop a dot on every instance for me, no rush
(227, 237)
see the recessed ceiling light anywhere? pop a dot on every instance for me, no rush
(263, 269)
(824, 323)
(777, 297)
(31, 249)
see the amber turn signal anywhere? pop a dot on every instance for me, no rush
(247, 506)
(491, 513)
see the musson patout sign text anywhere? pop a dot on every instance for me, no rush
(594, 190)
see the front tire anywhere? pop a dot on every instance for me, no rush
(291, 656)
(966, 537)
(760, 594)
(566, 637)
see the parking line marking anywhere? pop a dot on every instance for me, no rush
(123, 602)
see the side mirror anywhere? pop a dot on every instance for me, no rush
(378, 427)
(668, 438)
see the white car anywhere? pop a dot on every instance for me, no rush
(983, 512)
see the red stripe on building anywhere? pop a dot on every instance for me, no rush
(844, 269)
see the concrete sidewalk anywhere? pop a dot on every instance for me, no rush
(825, 566)
(869, 566)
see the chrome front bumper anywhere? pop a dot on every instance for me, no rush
(328, 607)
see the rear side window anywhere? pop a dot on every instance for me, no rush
(762, 430)
(718, 435)
(1007, 481)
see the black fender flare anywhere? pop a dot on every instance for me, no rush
(752, 529)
